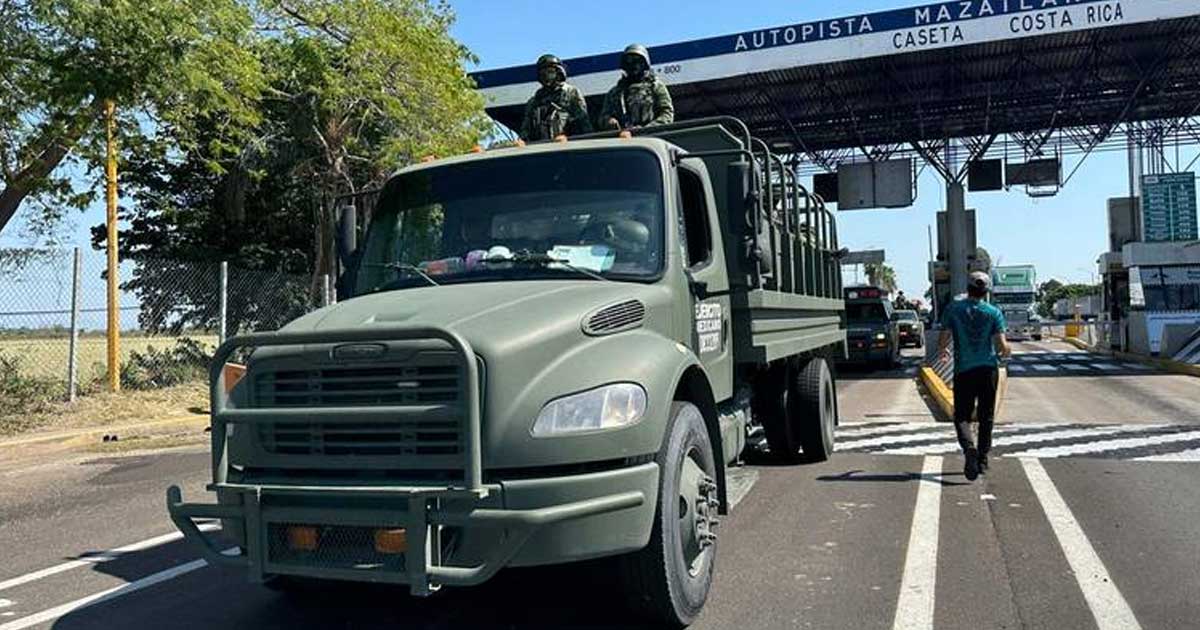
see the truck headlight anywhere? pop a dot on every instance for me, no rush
(880, 336)
(609, 407)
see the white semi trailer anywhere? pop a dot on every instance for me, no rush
(1014, 291)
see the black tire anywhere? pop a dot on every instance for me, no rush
(815, 410)
(773, 405)
(659, 580)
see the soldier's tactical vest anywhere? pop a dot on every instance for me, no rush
(551, 115)
(637, 102)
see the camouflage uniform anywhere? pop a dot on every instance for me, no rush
(640, 99)
(641, 103)
(553, 111)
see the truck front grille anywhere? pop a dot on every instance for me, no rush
(426, 391)
(359, 386)
(376, 438)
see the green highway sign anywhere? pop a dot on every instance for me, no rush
(1169, 207)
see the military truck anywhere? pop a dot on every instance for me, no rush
(873, 333)
(544, 354)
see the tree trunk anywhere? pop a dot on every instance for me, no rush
(54, 149)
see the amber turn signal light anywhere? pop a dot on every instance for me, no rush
(233, 373)
(391, 541)
(302, 538)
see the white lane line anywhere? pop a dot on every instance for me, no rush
(1044, 367)
(914, 610)
(1076, 367)
(1006, 442)
(1016, 368)
(1190, 455)
(1136, 366)
(1108, 606)
(105, 556)
(51, 614)
(1109, 445)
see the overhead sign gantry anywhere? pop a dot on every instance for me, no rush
(946, 82)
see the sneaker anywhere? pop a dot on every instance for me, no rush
(971, 467)
(983, 463)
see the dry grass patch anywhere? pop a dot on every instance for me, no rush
(103, 409)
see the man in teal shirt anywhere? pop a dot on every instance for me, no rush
(978, 332)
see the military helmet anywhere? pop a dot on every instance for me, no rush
(552, 61)
(636, 50)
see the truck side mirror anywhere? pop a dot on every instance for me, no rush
(344, 286)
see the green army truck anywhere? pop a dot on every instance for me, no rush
(543, 354)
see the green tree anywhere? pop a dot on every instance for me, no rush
(368, 86)
(355, 90)
(881, 275)
(165, 63)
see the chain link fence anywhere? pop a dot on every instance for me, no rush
(172, 315)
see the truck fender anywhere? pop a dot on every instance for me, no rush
(692, 385)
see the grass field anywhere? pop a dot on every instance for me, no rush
(46, 357)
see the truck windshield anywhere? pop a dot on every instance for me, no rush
(568, 214)
(866, 312)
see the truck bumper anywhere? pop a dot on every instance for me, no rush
(868, 355)
(449, 536)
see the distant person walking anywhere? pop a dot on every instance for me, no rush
(978, 332)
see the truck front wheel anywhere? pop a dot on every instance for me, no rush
(670, 578)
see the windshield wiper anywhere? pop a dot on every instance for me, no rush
(542, 260)
(398, 266)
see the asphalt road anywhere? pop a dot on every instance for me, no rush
(888, 534)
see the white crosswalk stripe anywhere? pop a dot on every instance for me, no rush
(1035, 438)
(1190, 455)
(1074, 363)
(1110, 445)
(1140, 442)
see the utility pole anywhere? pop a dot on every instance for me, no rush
(114, 306)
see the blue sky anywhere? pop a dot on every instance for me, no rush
(1062, 235)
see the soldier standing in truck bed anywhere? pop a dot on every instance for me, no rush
(640, 98)
(557, 108)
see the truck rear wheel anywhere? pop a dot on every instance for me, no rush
(814, 412)
(669, 579)
(776, 409)
(800, 419)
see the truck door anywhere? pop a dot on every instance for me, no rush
(704, 261)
